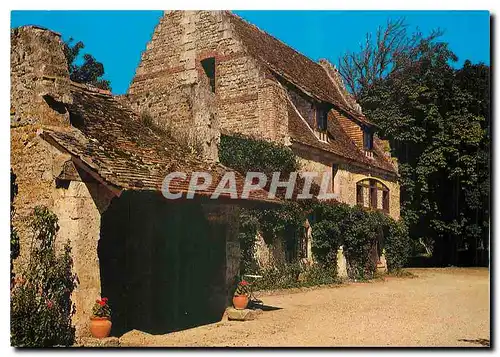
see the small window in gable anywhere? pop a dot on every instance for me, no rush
(321, 118)
(367, 140)
(208, 65)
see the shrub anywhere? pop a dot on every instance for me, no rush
(246, 154)
(362, 229)
(284, 276)
(397, 245)
(354, 228)
(294, 275)
(321, 274)
(327, 231)
(41, 307)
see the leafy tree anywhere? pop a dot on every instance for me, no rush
(90, 71)
(378, 56)
(437, 120)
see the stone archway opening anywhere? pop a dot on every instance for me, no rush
(162, 264)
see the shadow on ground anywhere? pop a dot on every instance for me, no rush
(478, 341)
(267, 307)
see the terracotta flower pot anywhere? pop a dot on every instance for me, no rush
(100, 327)
(240, 302)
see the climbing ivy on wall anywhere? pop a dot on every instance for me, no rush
(360, 231)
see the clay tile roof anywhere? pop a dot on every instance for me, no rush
(293, 66)
(340, 143)
(112, 141)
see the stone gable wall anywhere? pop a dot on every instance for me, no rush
(246, 101)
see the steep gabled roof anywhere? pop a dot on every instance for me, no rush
(113, 142)
(340, 144)
(293, 66)
(311, 78)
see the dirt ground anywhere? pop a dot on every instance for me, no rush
(439, 307)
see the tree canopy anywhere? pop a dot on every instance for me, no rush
(436, 118)
(90, 71)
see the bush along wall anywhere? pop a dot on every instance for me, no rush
(363, 233)
(40, 304)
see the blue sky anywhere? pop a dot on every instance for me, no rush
(117, 38)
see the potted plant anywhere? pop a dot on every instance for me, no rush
(100, 322)
(240, 298)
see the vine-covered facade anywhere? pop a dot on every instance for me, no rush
(264, 89)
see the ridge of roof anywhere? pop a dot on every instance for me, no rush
(320, 87)
(269, 35)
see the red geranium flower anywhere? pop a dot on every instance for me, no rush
(105, 299)
(102, 303)
(244, 282)
(50, 304)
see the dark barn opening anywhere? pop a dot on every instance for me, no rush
(162, 264)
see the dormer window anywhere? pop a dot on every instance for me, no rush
(321, 118)
(321, 129)
(208, 65)
(367, 140)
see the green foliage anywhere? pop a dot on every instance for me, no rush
(437, 120)
(101, 308)
(359, 231)
(278, 225)
(363, 233)
(327, 231)
(284, 276)
(352, 227)
(90, 71)
(321, 274)
(249, 225)
(360, 242)
(246, 154)
(295, 275)
(397, 245)
(41, 307)
(242, 288)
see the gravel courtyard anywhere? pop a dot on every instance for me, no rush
(439, 307)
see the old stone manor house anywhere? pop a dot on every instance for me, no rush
(90, 157)
(264, 89)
